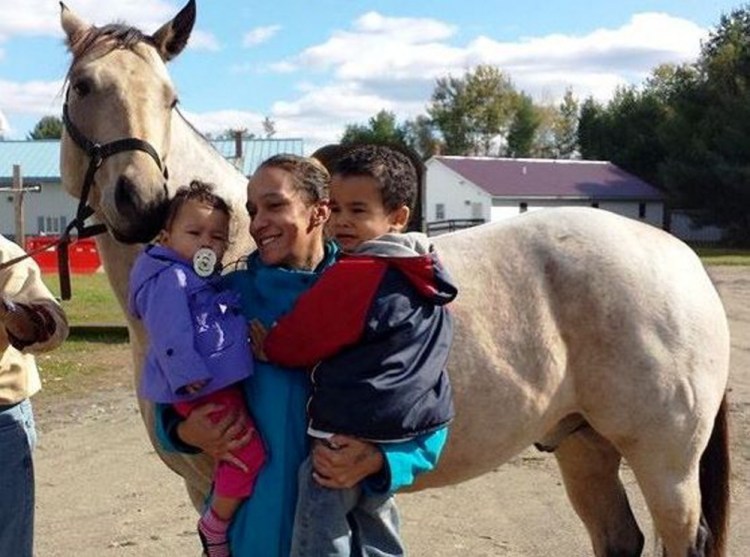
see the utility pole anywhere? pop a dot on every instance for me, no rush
(17, 190)
(18, 203)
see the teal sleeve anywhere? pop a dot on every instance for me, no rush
(407, 460)
(166, 421)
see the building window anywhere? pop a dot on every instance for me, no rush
(51, 225)
(595, 204)
(641, 210)
(523, 207)
(440, 211)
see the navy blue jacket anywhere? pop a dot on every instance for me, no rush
(377, 331)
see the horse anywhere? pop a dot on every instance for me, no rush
(594, 336)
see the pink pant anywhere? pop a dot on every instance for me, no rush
(230, 481)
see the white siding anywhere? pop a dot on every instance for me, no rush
(461, 199)
(504, 208)
(53, 204)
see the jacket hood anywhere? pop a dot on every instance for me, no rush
(414, 255)
(154, 260)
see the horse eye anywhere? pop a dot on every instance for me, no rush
(82, 87)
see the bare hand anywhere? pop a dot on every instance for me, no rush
(348, 465)
(217, 439)
(258, 334)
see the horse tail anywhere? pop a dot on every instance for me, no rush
(714, 483)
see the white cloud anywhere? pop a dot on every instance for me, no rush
(31, 97)
(202, 40)
(222, 120)
(392, 63)
(42, 17)
(260, 35)
(4, 125)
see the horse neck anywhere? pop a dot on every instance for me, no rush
(192, 157)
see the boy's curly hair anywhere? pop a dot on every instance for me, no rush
(394, 172)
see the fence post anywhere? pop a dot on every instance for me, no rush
(18, 203)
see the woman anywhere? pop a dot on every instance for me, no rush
(288, 206)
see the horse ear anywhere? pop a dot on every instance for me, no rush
(71, 23)
(172, 37)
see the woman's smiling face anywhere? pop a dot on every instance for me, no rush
(283, 220)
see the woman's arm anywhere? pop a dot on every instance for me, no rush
(386, 467)
(198, 432)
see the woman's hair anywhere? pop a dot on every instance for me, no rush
(202, 192)
(310, 176)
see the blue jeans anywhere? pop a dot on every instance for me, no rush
(17, 440)
(343, 522)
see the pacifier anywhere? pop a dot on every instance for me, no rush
(204, 262)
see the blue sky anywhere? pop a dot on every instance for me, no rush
(314, 67)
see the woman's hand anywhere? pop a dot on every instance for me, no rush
(257, 335)
(216, 439)
(347, 465)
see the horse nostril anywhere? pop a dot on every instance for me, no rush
(124, 194)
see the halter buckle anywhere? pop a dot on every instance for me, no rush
(96, 155)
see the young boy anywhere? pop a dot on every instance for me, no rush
(198, 347)
(377, 333)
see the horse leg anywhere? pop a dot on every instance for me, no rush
(686, 492)
(672, 493)
(590, 470)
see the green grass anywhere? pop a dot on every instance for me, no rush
(92, 301)
(723, 256)
(89, 352)
(82, 361)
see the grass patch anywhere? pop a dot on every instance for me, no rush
(92, 301)
(83, 358)
(723, 256)
(91, 353)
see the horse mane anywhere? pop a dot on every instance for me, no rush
(99, 41)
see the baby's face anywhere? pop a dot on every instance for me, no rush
(197, 225)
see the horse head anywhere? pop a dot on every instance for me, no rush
(118, 113)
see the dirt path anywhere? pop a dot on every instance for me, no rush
(102, 491)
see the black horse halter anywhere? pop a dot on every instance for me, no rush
(97, 154)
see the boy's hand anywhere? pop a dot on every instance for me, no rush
(258, 334)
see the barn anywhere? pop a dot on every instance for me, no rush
(484, 189)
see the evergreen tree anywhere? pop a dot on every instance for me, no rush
(49, 127)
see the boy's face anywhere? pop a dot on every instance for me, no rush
(358, 213)
(197, 225)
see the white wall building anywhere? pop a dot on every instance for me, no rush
(492, 189)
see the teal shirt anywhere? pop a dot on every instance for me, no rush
(277, 397)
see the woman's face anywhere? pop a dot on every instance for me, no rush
(287, 229)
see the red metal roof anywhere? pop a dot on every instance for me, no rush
(550, 178)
